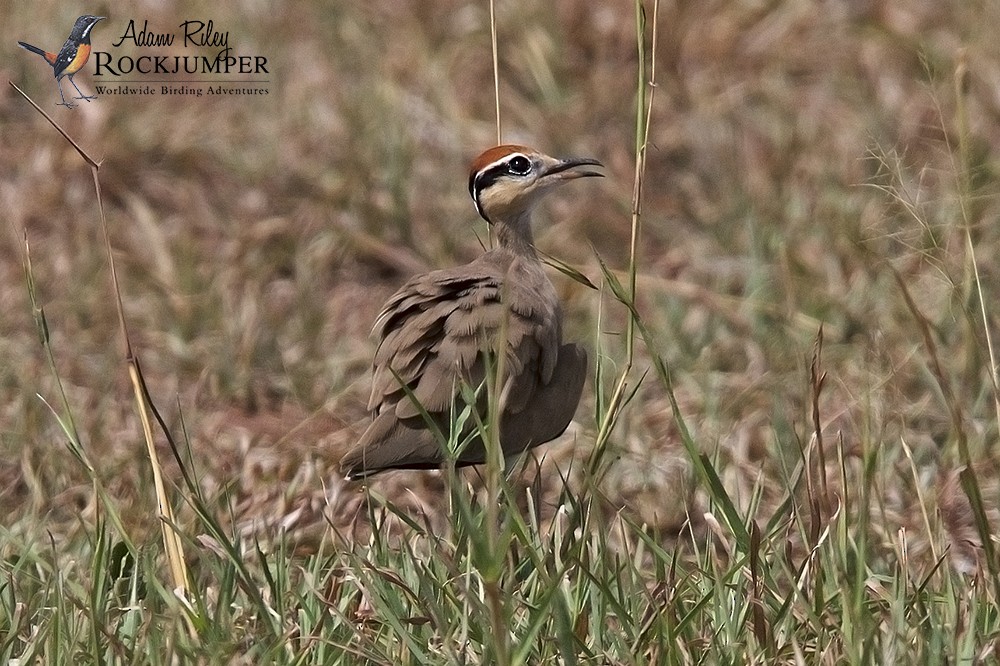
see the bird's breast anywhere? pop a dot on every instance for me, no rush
(531, 292)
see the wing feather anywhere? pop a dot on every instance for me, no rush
(433, 334)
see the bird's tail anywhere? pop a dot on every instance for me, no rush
(49, 57)
(33, 49)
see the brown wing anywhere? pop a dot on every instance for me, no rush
(433, 331)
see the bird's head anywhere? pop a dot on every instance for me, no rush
(506, 181)
(83, 26)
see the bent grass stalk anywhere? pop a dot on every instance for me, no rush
(173, 547)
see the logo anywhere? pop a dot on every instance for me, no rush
(71, 58)
(196, 61)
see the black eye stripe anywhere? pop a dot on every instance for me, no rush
(489, 176)
(482, 180)
(485, 178)
(517, 165)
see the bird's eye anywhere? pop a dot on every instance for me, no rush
(519, 166)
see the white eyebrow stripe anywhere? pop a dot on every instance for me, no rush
(505, 158)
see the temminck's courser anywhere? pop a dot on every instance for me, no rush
(434, 332)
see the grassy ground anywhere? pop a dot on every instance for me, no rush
(808, 166)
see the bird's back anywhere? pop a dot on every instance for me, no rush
(434, 333)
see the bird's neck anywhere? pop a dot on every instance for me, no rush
(514, 234)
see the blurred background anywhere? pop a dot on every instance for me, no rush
(800, 153)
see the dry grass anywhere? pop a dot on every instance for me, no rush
(259, 236)
(799, 157)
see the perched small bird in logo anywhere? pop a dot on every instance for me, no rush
(71, 57)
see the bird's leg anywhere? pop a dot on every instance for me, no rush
(82, 96)
(68, 105)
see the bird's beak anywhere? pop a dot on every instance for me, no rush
(566, 169)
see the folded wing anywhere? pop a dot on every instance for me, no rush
(433, 335)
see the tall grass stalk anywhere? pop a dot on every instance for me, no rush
(496, 68)
(963, 173)
(645, 91)
(645, 88)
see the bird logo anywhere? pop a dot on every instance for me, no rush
(71, 57)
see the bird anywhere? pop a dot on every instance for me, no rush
(71, 57)
(440, 330)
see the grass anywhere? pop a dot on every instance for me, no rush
(786, 452)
